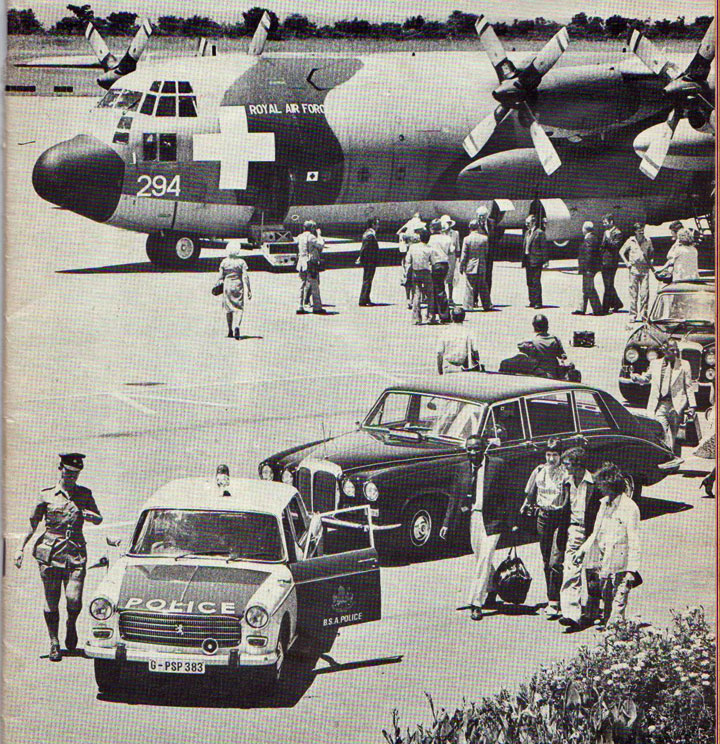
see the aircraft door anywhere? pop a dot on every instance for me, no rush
(337, 580)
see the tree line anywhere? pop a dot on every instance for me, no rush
(295, 25)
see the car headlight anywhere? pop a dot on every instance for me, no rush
(652, 354)
(348, 488)
(632, 354)
(266, 472)
(710, 374)
(710, 358)
(287, 476)
(256, 616)
(101, 608)
(371, 491)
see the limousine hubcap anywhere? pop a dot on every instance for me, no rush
(421, 527)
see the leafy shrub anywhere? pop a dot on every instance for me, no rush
(640, 685)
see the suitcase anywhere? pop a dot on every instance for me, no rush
(584, 338)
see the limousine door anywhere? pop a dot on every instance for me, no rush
(337, 580)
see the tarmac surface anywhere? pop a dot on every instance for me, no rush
(108, 356)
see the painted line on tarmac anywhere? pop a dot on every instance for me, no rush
(133, 403)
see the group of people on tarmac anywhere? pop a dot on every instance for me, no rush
(587, 525)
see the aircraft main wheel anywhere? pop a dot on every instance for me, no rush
(172, 251)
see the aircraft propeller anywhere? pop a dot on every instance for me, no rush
(113, 68)
(688, 91)
(260, 36)
(516, 90)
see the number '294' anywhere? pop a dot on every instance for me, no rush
(158, 185)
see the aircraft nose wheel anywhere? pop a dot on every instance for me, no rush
(172, 251)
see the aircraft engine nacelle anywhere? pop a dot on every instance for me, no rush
(690, 149)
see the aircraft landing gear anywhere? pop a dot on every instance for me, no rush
(172, 251)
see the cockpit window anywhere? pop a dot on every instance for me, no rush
(108, 99)
(169, 87)
(128, 100)
(148, 105)
(166, 106)
(186, 106)
(155, 87)
(184, 87)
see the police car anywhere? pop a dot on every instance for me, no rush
(227, 580)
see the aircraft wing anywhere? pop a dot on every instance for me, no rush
(85, 62)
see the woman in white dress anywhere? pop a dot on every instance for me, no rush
(235, 280)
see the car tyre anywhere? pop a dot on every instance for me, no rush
(107, 676)
(268, 679)
(172, 251)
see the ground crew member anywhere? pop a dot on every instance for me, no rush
(60, 551)
(457, 351)
(545, 349)
(418, 266)
(637, 254)
(368, 259)
(609, 258)
(310, 244)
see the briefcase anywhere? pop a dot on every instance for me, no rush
(584, 338)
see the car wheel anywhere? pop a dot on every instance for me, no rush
(269, 678)
(107, 676)
(421, 527)
(172, 251)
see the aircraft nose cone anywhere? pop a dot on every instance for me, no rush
(83, 175)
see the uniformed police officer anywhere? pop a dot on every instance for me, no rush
(60, 550)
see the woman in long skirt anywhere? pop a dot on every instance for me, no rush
(235, 280)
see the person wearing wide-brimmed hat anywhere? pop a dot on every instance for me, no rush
(60, 551)
(447, 225)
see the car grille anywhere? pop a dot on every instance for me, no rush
(317, 488)
(188, 631)
(694, 357)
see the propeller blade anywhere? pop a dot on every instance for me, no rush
(136, 49)
(102, 52)
(504, 68)
(477, 139)
(701, 63)
(260, 36)
(531, 76)
(655, 155)
(549, 159)
(653, 57)
(137, 46)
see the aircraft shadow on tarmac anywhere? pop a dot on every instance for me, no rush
(230, 691)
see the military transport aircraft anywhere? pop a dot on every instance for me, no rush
(198, 150)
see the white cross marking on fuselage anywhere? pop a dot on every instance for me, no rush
(234, 147)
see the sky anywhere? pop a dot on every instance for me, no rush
(49, 11)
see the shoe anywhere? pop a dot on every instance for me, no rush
(574, 627)
(578, 312)
(551, 613)
(322, 311)
(55, 653)
(71, 637)
(237, 334)
(476, 613)
(230, 334)
(301, 311)
(567, 622)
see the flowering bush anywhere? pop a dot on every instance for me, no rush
(640, 685)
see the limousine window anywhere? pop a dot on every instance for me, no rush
(590, 413)
(429, 415)
(550, 414)
(505, 422)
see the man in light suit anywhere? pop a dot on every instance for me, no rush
(671, 391)
(534, 256)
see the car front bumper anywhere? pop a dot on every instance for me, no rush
(229, 658)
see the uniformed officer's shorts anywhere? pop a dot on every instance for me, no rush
(62, 573)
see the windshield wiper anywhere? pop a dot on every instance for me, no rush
(259, 555)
